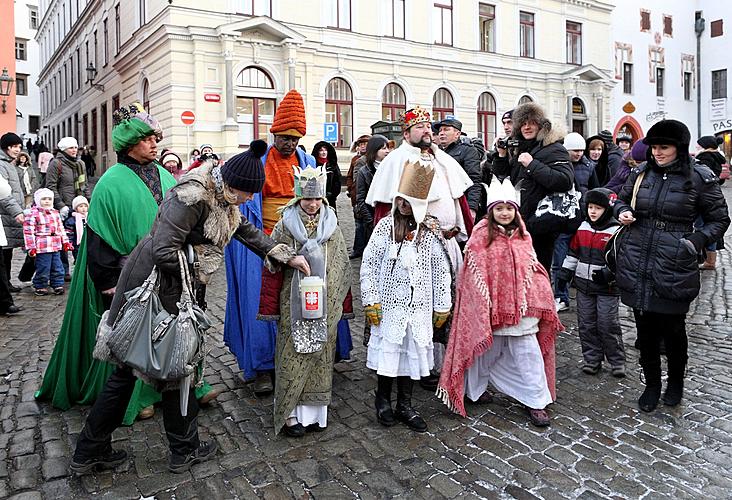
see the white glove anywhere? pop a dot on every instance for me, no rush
(64, 212)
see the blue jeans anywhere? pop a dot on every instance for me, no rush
(561, 247)
(699, 224)
(48, 265)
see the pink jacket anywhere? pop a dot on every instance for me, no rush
(43, 231)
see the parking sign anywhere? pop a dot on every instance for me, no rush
(330, 132)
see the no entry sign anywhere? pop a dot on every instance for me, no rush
(187, 117)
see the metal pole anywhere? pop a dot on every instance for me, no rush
(699, 29)
(188, 145)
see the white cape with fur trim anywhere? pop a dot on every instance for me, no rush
(385, 184)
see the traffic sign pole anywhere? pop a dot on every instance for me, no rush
(188, 118)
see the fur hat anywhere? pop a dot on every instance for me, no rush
(623, 137)
(245, 171)
(66, 143)
(79, 200)
(363, 138)
(502, 192)
(42, 193)
(709, 142)
(10, 139)
(574, 141)
(671, 132)
(529, 112)
(289, 118)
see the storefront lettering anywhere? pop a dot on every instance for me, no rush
(722, 125)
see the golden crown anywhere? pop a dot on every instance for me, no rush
(416, 179)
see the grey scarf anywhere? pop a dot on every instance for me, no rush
(309, 335)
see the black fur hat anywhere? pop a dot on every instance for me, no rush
(529, 112)
(670, 132)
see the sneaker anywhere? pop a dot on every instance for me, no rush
(591, 369)
(560, 305)
(109, 460)
(540, 418)
(40, 291)
(59, 290)
(205, 450)
(618, 371)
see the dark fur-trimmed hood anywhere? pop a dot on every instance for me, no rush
(530, 111)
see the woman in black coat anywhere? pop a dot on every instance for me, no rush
(657, 270)
(325, 154)
(201, 211)
(376, 151)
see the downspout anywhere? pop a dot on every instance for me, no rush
(699, 29)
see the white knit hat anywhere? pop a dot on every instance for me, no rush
(79, 200)
(66, 143)
(574, 142)
(42, 193)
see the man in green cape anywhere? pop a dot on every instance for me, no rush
(121, 213)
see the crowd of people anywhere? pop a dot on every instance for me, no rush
(467, 256)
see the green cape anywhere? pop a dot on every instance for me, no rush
(73, 376)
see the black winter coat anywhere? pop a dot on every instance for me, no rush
(469, 158)
(549, 172)
(656, 271)
(712, 159)
(363, 211)
(335, 179)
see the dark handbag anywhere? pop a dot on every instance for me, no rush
(156, 344)
(557, 213)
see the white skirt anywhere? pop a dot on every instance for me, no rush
(311, 414)
(394, 360)
(515, 367)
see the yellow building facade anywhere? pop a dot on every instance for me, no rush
(355, 62)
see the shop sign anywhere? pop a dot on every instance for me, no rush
(212, 97)
(720, 125)
(718, 109)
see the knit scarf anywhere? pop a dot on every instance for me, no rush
(498, 285)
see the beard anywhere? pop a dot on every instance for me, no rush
(424, 143)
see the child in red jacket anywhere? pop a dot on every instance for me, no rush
(45, 238)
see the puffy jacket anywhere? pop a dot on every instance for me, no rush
(549, 172)
(712, 159)
(656, 271)
(11, 206)
(614, 158)
(469, 158)
(584, 175)
(586, 254)
(66, 177)
(363, 211)
(5, 191)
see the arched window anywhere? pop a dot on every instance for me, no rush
(146, 95)
(251, 76)
(442, 105)
(579, 116)
(524, 99)
(339, 108)
(255, 105)
(487, 119)
(393, 102)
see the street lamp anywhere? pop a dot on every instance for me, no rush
(91, 75)
(6, 85)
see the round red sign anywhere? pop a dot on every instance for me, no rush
(187, 117)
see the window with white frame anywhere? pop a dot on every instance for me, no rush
(339, 14)
(442, 22)
(395, 23)
(487, 26)
(256, 8)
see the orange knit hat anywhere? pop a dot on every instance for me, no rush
(290, 116)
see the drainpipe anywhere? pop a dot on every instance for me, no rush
(699, 29)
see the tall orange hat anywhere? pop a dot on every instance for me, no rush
(290, 116)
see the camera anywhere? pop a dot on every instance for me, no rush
(507, 143)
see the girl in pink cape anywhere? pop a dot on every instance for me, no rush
(505, 322)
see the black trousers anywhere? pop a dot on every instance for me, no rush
(6, 298)
(652, 327)
(544, 248)
(7, 257)
(109, 410)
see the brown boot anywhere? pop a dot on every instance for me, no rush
(711, 263)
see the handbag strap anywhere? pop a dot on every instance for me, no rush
(185, 276)
(636, 188)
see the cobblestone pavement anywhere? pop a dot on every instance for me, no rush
(599, 445)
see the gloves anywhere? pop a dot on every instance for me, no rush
(439, 318)
(64, 212)
(373, 314)
(32, 252)
(602, 276)
(68, 247)
(561, 284)
(696, 240)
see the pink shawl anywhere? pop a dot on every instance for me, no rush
(497, 286)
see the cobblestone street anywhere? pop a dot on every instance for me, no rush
(599, 445)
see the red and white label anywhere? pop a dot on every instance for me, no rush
(312, 300)
(212, 97)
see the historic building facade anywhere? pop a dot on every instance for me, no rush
(355, 62)
(27, 66)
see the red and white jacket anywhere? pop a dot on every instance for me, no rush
(43, 231)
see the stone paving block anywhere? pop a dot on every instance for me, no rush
(27, 495)
(24, 479)
(160, 482)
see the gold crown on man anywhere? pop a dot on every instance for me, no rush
(416, 179)
(413, 116)
(310, 182)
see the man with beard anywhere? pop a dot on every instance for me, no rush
(446, 199)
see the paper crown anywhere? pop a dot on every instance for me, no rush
(414, 116)
(414, 186)
(502, 192)
(310, 182)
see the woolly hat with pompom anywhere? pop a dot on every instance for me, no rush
(289, 118)
(245, 171)
(709, 142)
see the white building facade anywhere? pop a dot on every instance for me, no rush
(356, 62)
(27, 67)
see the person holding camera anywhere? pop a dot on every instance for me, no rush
(537, 165)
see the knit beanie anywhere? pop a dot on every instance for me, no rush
(66, 143)
(168, 156)
(131, 125)
(205, 146)
(574, 141)
(289, 118)
(709, 142)
(601, 196)
(638, 151)
(42, 193)
(245, 171)
(9, 139)
(79, 200)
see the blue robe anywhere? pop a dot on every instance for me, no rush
(250, 340)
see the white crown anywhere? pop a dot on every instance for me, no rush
(310, 182)
(502, 192)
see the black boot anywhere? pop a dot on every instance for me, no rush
(649, 399)
(675, 385)
(384, 413)
(404, 411)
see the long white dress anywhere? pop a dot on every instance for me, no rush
(410, 281)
